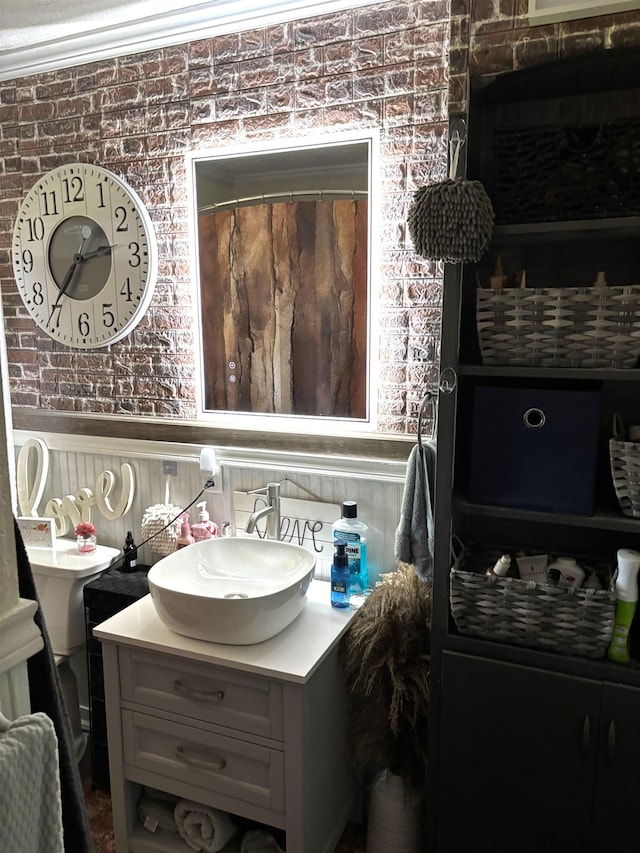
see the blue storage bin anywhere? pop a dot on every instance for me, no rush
(535, 448)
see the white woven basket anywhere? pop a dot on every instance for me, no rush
(559, 327)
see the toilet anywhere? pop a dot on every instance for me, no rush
(60, 574)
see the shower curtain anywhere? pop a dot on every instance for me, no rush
(284, 308)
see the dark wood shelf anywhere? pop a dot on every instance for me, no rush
(621, 226)
(602, 519)
(598, 668)
(570, 373)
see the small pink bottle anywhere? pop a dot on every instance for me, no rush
(185, 538)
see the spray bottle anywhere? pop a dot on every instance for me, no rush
(626, 587)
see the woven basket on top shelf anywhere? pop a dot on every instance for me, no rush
(591, 327)
(509, 610)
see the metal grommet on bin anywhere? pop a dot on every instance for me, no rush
(534, 418)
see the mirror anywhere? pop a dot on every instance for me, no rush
(283, 263)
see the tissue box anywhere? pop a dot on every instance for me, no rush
(535, 448)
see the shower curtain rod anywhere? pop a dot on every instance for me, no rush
(235, 202)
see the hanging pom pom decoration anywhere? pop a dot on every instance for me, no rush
(451, 220)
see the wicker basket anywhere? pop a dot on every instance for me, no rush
(625, 471)
(559, 327)
(509, 610)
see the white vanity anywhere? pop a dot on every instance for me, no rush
(257, 731)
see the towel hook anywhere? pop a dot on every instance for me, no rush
(429, 397)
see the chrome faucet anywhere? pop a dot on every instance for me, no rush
(271, 511)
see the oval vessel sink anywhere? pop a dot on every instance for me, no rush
(232, 590)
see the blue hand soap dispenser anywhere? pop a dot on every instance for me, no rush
(340, 576)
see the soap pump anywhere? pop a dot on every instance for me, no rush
(340, 575)
(185, 538)
(626, 587)
(205, 528)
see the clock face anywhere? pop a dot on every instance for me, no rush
(84, 256)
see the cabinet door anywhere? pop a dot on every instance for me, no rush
(617, 788)
(517, 758)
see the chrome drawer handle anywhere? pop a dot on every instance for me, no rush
(202, 763)
(197, 695)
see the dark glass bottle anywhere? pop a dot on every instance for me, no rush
(130, 562)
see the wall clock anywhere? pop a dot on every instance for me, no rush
(84, 256)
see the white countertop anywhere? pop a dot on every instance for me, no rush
(293, 655)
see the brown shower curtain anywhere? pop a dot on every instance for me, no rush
(284, 308)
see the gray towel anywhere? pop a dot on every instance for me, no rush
(30, 801)
(414, 534)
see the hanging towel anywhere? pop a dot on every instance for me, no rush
(45, 694)
(414, 534)
(203, 828)
(30, 802)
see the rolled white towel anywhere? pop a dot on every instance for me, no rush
(258, 841)
(204, 829)
(156, 813)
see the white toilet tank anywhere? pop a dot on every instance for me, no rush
(60, 573)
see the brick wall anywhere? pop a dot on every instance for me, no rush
(382, 66)
(494, 36)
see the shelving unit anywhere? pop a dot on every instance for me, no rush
(516, 733)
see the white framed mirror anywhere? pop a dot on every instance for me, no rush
(283, 247)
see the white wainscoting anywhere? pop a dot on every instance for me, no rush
(376, 485)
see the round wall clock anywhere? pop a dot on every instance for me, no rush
(84, 256)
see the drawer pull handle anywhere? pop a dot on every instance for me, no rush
(586, 736)
(198, 695)
(202, 763)
(611, 741)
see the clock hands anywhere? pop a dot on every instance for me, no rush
(77, 260)
(101, 250)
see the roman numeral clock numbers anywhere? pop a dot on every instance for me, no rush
(84, 256)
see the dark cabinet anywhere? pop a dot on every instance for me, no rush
(104, 597)
(534, 760)
(531, 749)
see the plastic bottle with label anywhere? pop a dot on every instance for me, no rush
(571, 574)
(351, 530)
(340, 576)
(626, 586)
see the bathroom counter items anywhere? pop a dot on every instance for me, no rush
(255, 731)
(292, 655)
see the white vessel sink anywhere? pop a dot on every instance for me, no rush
(232, 590)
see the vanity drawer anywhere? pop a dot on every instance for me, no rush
(204, 692)
(234, 768)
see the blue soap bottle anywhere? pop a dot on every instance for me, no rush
(340, 575)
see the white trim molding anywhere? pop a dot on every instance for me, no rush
(73, 39)
(550, 11)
